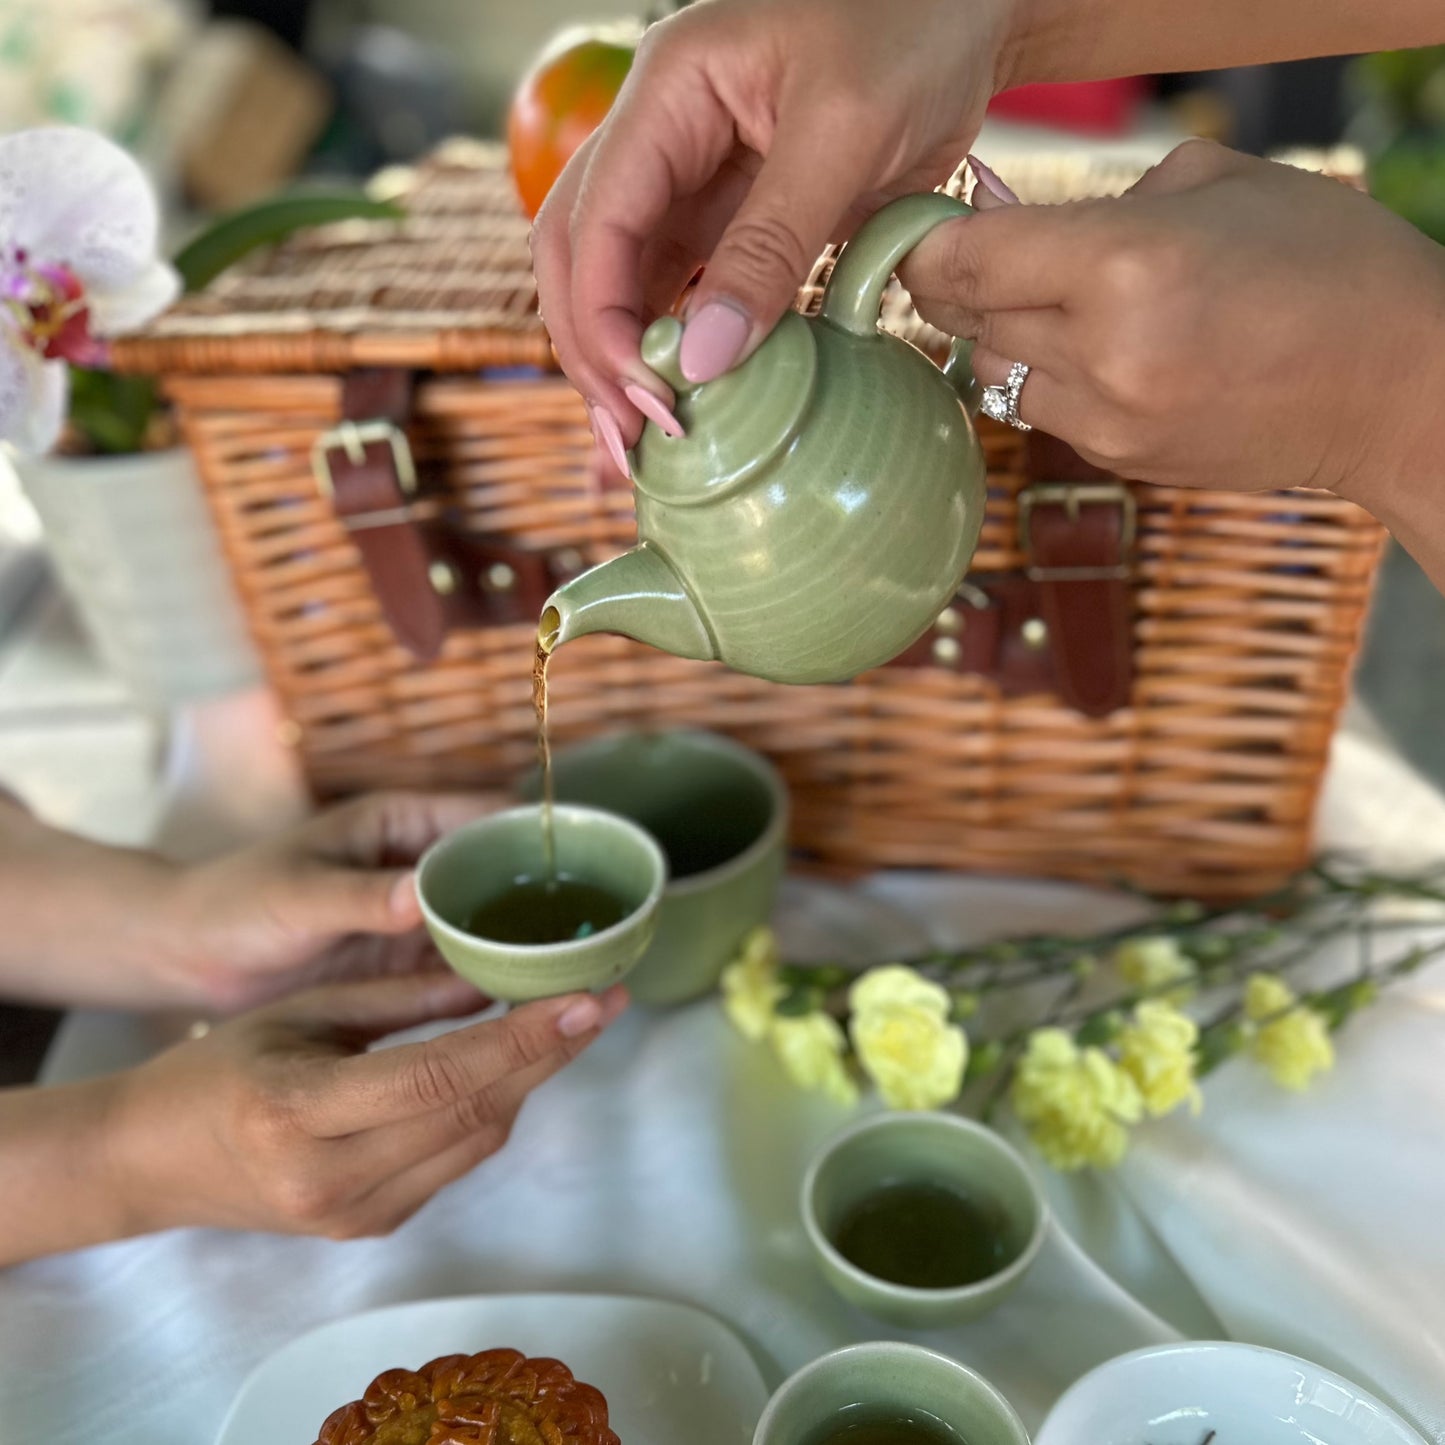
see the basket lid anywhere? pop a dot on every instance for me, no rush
(448, 287)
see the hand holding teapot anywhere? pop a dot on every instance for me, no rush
(825, 502)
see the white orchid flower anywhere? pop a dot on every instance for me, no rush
(78, 231)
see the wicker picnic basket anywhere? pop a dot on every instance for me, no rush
(1143, 689)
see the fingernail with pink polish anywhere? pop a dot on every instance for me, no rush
(653, 408)
(403, 896)
(712, 341)
(991, 183)
(607, 431)
(614, 1003)
(581, 1018)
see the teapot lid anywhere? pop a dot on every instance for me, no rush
(734, 424)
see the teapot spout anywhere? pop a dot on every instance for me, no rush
(637, 595)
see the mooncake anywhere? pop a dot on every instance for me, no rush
(499, 1397)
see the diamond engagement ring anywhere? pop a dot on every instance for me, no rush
(1002, 402)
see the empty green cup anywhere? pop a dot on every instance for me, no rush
(720, 814)
(482, 859)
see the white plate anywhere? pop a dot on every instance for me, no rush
(669, 1372)
(1179, 1394)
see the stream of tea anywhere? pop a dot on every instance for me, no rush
(544, 762)
(552, 906)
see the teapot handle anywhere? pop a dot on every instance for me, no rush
(855, 289)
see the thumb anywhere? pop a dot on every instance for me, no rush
(792, 210)
(332, 899)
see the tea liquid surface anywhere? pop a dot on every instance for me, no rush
(924, 1236)
(865, 1425)
(547, 910)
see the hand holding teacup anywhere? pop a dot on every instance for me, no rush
(479, 866)
(686, 831)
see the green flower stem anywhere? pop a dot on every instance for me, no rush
(1257, 926)
(1223, 1035)
(1429, 887)
(1279, 935)
(1014, 1043)
(1042, 955)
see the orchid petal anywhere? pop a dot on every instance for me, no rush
(72, 198)
(33, 397)
(112, 312)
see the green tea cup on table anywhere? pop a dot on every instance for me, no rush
(719, 812)
(484, 898)
(922, 1219)
(888, 1393)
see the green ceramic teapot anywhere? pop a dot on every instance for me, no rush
(824, 505)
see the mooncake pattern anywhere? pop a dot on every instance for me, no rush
(498, 1397)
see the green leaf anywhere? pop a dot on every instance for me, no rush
(1402, 79)
(796, 1005)
(1209, 947)
(1337, 1004)
(1099, 1029)
(113, 412)
(1217, 1043)
(983, 1060)
(1409, 178)
(965, 1005)
(235, 236)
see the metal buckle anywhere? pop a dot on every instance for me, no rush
(1072, 496)
(353, 438)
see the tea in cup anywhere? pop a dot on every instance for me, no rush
(719, 812)
(519, 929)
(922, 1219)
(888, 1393)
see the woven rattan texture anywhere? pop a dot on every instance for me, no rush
(1248, 610)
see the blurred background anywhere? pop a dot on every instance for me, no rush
(228, 101)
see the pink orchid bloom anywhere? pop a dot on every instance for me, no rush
(78, 233)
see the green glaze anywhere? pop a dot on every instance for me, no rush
(826, 501)
(889, 1376)
(939, 1149)
(702, 795)
(479, 860)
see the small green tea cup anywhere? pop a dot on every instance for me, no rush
(480, 860)
(720, 814)
(925, 1148)
(887, 1379)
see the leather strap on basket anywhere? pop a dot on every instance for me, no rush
(1062, 624)
(1076, 526)
(429, 574)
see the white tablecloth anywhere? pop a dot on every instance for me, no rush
(667, 1163)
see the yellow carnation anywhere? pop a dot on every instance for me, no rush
(1151, 965)
(1156, 1050)
(811, 1049)
(1292, 1040)
(904, 1040)
(1077, 1104)
(1265, 995)
(897, 986)
(750, 986)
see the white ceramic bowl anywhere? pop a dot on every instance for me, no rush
(1177, 1394)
